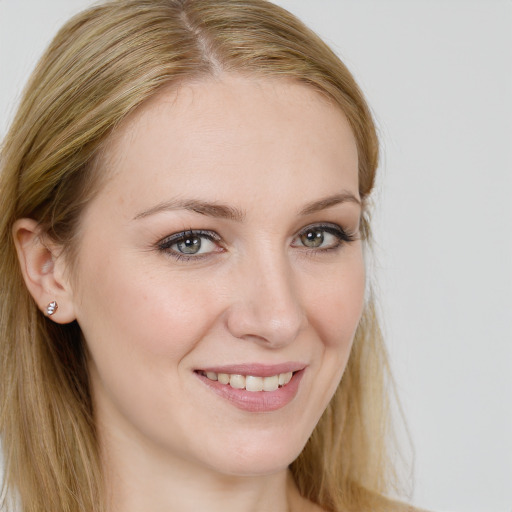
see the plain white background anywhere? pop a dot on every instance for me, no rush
(438, 75)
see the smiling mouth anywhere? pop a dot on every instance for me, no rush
(250, 382)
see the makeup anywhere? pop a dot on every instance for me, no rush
(255, 387)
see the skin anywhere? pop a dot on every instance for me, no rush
(268, 149)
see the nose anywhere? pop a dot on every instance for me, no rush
(266, 305)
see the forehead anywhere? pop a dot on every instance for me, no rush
(223, 136)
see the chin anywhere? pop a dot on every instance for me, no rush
(256, 458)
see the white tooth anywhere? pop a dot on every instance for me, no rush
(237, 381)
(253, 383)
(223, 378)
(211, 375)
(271, 383)
(284, 378)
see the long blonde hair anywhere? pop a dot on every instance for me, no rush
(102, 65)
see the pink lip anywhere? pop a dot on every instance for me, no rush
(259, 401)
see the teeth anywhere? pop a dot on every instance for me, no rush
(237, 381)
(223, 378)
(284, 378)
(250, 382)
(271, 383)
(253, 383)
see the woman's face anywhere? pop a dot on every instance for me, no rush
(223, 246)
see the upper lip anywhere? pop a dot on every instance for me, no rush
(255, 369)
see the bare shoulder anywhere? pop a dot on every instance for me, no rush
(371, 504)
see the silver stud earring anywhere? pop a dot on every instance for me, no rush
(52, 307)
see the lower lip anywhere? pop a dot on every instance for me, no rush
(256, 401)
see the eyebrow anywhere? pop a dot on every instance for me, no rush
(202, 207)
(329, 202)
(228, 212)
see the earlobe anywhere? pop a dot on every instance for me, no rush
(40, 266)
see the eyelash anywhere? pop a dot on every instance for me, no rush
(166, 244)
(338, 232)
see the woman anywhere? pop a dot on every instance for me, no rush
(187, 187)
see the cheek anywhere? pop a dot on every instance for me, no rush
(336, 308)
(139, 328)
(129, 311)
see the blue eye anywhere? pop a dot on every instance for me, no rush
(322, 237)
(190, 244)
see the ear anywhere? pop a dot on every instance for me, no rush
(43, 270)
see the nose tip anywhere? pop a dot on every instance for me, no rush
(276, 328)
(267, 310)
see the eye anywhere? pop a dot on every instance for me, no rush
(190, 244)
(322, 237)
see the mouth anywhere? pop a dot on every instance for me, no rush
(252, 383)
(253, 387)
